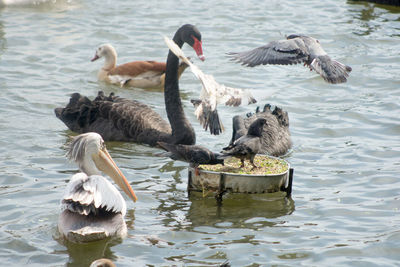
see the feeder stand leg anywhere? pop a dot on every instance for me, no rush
(289, 188)
(189, 186)
(221, 189)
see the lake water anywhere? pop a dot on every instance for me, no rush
(344, 210)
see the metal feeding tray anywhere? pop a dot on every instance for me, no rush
(226, 182)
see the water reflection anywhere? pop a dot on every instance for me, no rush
(84, 254)
(389, 5)
(3, 40)
(366, 13)
(239, 210)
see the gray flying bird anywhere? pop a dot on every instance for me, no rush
(296, 49)
(247, 146)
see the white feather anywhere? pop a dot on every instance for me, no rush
(119, 79)
(212, 92)
(97, 190)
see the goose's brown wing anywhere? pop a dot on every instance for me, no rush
(136, 68)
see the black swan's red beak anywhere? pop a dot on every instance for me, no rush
(197, 46)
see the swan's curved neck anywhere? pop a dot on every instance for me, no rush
(110, 60)
(182, 130)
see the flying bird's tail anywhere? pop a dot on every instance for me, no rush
(211, 95)
(207, 116)
(331, 70)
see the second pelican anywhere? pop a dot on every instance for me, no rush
(92, 208)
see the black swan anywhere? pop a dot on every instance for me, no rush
(248, 145)
(296, 49)
(276, 139)
(92, 208)
(118, 119)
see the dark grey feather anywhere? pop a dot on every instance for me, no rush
(194, 154)
(248, 145)
(275, 139)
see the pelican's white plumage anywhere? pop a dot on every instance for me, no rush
(212, 94)
(92, 208)
(92, 190)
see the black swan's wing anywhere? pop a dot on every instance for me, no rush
(276, 139)
(115, 118)
(238, 130)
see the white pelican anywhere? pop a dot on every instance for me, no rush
(92, 208)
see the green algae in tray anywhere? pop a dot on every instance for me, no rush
(266, 165)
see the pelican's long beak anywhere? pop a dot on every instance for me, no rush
(106, 164)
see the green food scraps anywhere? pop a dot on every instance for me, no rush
(265, 165)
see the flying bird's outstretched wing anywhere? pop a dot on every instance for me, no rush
(295, 49)
(212, 94)
(282, 52)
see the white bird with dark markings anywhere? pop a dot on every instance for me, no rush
(92, 208)
(296, 49)
(212, 94)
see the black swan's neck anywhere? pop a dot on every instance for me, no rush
(182, 130)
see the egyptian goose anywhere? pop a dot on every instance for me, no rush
(140, 74)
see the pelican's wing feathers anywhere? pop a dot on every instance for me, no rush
(88, 194)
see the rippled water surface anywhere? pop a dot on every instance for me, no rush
(344, 210)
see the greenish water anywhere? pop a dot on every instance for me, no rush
(344, 210)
